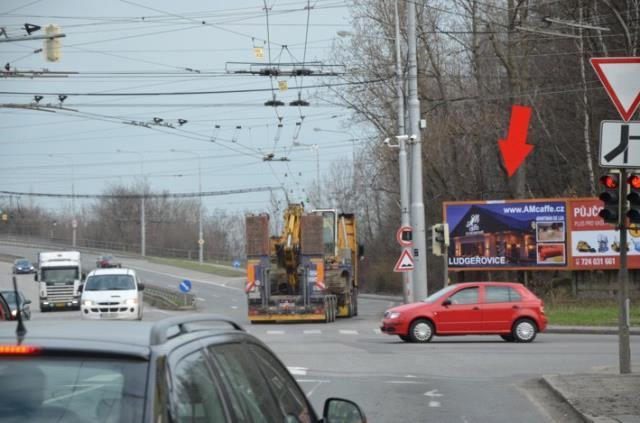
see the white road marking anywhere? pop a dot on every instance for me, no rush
(234, 307)
(200, 299)
(405, 382)
(312, 332)
(377, 331)
(410, 376)
(275, 332)
(434, 403)
(300, 371)
(432, 393)
(221, 285)
(318, 383)
(348, 332)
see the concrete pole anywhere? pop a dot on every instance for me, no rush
(417, 203)
(143, 224)
(405, 218)
(73, 199)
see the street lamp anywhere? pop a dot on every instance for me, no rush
(200, 234)
(74, 222)
(143, 229)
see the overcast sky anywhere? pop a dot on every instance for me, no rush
(145, 46)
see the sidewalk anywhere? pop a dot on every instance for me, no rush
(599, 398)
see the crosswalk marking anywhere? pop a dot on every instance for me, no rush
(348, 332)
(275, 332)
(312, 332)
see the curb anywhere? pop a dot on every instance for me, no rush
(558, 393)
(377, 297)
(588, 330)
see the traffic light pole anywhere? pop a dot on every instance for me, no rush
(624, 347)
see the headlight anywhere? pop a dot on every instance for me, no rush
(131, 301)
(14, 312)
(394, 315)
(87, 303)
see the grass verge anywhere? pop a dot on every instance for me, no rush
(588, 314)
(205, 267)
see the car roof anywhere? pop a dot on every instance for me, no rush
(491, 283)
(122, 271)
(121, 338)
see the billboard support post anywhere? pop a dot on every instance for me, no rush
(624, 348)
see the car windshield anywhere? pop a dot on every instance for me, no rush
(439, 294)
(23, 263)
(78, 390)
(60, 274)
(10, 296)
(109, 283)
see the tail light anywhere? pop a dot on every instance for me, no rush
(18, 350)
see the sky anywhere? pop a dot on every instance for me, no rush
(143, 47)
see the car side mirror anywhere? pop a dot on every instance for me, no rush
(446, 302)
(140, 286)
(35, 277)
(84, 276)
(26, 302)
(80, 288)
(343, 411)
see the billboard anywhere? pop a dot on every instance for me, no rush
(544, 234)
(595, 244)
(527, 234)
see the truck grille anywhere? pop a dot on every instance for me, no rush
(59, 292)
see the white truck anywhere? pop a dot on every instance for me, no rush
(60, 276)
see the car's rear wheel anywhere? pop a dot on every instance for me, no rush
(421, 330)
(524, 330)
(508, 338)
(405, 338)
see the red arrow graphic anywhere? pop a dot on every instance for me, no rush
(515, 148)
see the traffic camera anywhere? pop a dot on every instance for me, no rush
(439, 238)
(634, 198)
(611, 197)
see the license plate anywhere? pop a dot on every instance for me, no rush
(108, 316)
(61, 305)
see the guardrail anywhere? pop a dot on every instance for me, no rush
(168, 298)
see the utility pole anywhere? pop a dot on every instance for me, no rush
(74, 222)
(200, 232)
(405, 218)
(624, 347)
(417, 203)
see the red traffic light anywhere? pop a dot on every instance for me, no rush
(611, 180)
(634, 180)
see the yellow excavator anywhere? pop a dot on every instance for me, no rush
(307, 273)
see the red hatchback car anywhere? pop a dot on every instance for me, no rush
(472, 308)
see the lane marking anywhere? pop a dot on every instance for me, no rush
(377, 331)
(200, 299)
(299, 371)
(432, 393)
(406, 382)
(318, 383)
(275, 332)
(234, 307)
(312, 332)
(348, 332)
(434, 403)
(221, 285)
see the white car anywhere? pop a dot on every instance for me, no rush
(112, 294)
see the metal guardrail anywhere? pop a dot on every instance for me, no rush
(168, 298)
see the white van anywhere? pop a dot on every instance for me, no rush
(112, 294)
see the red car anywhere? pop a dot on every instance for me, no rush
(473, 308)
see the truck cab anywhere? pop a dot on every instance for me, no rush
(60, 276)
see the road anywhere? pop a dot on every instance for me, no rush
(455, 379)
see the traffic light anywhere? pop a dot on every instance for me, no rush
(634, 198)
(439, 238)
(611, 196)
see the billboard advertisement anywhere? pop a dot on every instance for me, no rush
(595, 244)
(509, 235)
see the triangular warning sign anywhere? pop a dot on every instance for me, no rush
(404, 263)
(621, 78)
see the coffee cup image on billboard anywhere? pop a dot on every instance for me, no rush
(550, 231)
(551, 253)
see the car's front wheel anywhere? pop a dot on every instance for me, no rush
(524, 330)
(421, 330)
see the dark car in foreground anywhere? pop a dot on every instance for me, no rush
(21, 266)
(198, 368)
(473, 308)
(25, 309)
(107, 261)
(5, 310)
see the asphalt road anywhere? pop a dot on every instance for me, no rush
(454, 379)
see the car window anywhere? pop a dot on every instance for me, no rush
(196, 396)
(251, 398)
(465, 296)
(291, 399)
(501, 294)
(514, 295)
(72, 390)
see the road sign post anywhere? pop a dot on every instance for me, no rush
(620, 77)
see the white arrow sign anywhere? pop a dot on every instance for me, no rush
(621, 78)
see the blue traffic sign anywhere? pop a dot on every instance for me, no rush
(236, 264)
(185, 285)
